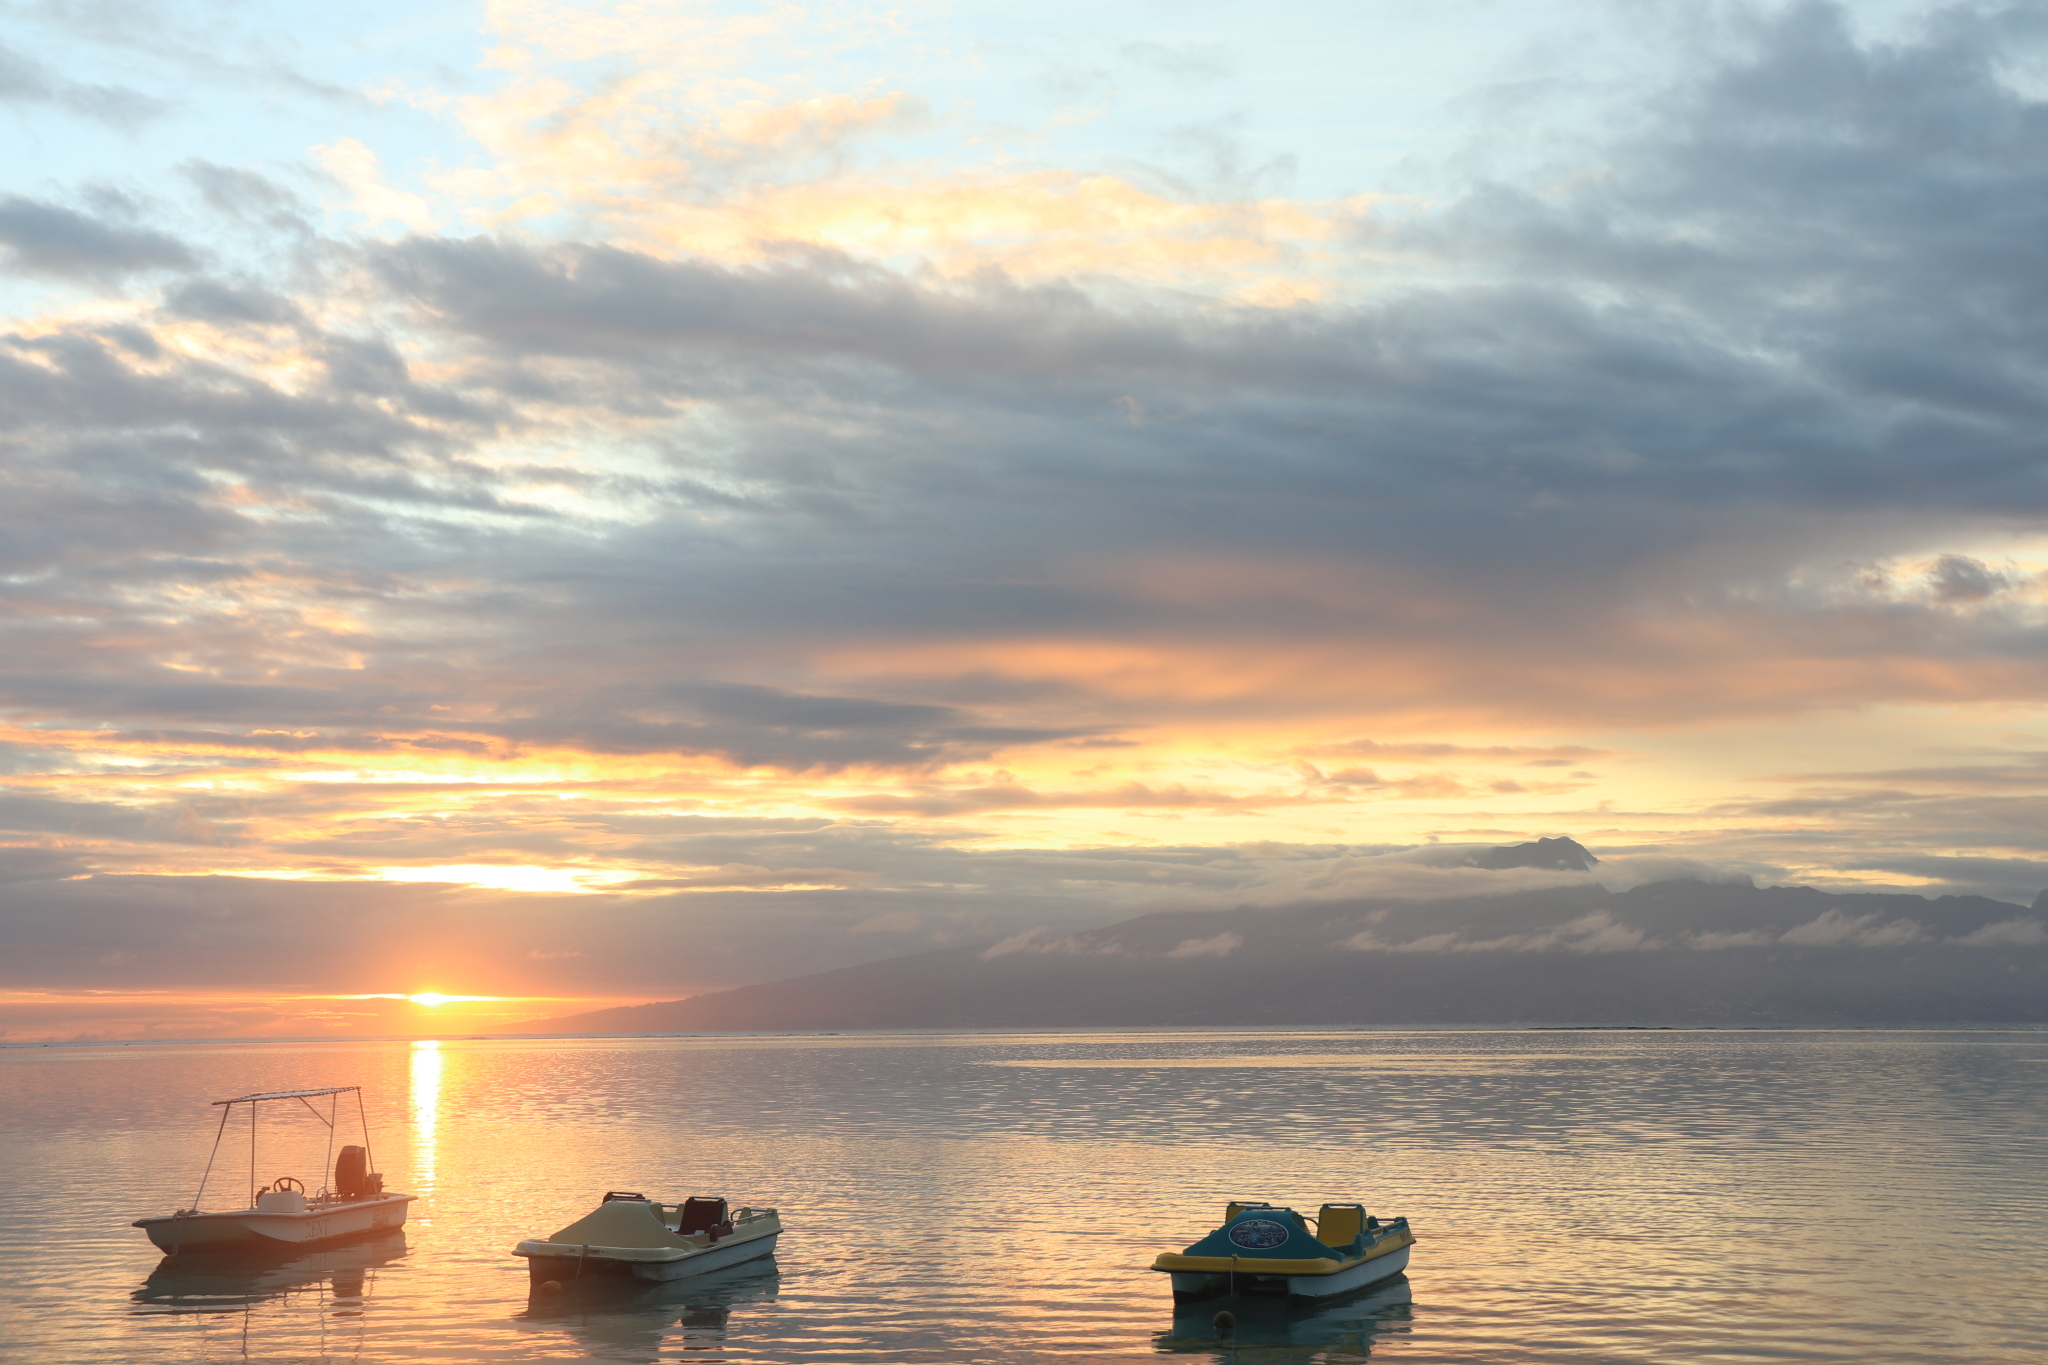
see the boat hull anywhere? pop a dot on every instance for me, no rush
(189, 1234)
(249, 1277)
(1191, 1285)
(607, 1263)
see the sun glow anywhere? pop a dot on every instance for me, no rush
(504, 877)
(427, 998)
(51, 1016)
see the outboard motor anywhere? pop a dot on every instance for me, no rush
(353, 1178)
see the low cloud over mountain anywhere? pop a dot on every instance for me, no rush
(1670, 952)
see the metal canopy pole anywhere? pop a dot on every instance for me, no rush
(369, 1162)
(334, 1092)
(329, 1121)
(218, 1134)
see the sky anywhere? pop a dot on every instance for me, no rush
(569, 504)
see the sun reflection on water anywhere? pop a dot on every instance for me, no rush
(1607, 1207)
(426, 1110)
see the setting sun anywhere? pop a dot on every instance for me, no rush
(1187, 510)
(1021, 633)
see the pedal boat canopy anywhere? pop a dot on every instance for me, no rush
(1264, 1249)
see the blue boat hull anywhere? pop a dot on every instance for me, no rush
(1189, 1286)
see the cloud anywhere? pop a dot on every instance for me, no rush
(1034, 941)
(25, 81)
(1010, 796)
(2006, 933)
(1433, 872)
(47, 239)
(1596, 932)
(1836, 927)
(810, 536)
(1015, 943)
(244, 194)
(1959, 578)
(1720, 940)
(1546, 756)
(815, 127)
(1624, 870)
(669, 155)
(1219, 945)
(213, 301)
(355, 166)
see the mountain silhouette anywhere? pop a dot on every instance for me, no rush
(1674, 952)
(1562, 855)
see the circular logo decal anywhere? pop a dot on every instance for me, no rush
(1256, 1234)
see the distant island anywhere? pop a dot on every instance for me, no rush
(1678, 952)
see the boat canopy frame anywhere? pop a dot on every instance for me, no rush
(290, 1094)
(330, 1118)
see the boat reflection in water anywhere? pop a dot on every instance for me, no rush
(228, 1282)
(1275, 1329)
(605, 1315)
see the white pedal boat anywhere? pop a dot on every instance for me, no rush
(633, 1237)
(283, 1213)
(1261, 1250)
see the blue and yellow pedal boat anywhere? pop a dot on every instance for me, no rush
(1263, 1249)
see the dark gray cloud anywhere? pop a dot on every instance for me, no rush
(1959, 578)
(204, 300)
(48, 239)
(754, 726)
(243, 193)
(265, 226)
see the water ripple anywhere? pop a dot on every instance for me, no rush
(967, 1198)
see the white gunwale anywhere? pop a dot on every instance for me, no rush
(656, 1251)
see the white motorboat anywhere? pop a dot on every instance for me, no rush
(631, 1236)
(284, 1213)
(205, 1284)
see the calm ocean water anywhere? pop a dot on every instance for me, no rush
(1577, 1196)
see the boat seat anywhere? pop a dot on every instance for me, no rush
(699, 1215)
(1338, 1225)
